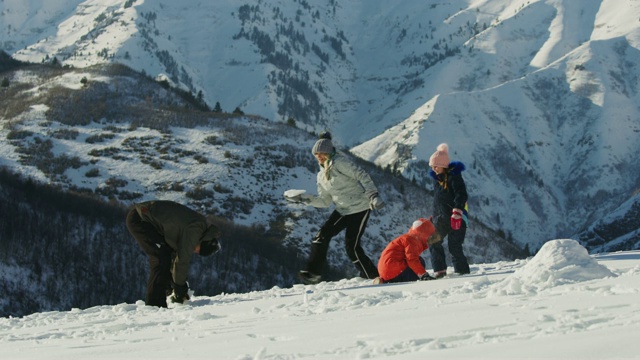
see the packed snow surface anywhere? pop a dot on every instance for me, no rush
(560, 304)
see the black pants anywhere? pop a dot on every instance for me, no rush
(355, 225)
(455, 239)
(159, 253)
(407, 274)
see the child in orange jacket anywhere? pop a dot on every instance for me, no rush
(401, 261)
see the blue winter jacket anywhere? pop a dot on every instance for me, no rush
(450, 192)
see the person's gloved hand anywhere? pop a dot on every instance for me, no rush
(180, 293)
(299, 198)
(426, 277)
(209, 247)
(375, 203)
(456, 219)
(293, 199)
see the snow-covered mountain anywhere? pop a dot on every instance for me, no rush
(538, 98)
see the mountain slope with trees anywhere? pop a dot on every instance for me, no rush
(83, 144)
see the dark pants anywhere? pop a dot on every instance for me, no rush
(406, 275)
(355, 225)
(159, 253)
(455, 239)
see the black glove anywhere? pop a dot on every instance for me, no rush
(180, 292)
(426, 277)
(209, 247)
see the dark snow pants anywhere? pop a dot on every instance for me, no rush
(455, 239)
(407, 274)
(355, 225)
(159, 253)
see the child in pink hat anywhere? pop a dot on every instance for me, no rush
(449, 210)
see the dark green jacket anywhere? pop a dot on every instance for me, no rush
(183, 229)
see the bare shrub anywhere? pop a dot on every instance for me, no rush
(115, 182)
(199, 193)
(105, 152)
(95, 172)
(221, 189)
(18, 134)
(99, 138)
(65, 134)
(214, 140)
(201, 159)
(237, 204)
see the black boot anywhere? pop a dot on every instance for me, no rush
(308, 278)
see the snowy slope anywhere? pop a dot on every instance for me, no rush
(560, 304)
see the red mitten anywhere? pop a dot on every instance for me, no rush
(456, 219)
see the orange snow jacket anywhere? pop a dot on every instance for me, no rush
(404, 251)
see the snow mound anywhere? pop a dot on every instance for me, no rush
(559, 262)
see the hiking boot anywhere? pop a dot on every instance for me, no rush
(308, 278)
(440, 274)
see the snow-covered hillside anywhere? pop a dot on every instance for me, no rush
(545, 115)
(560, 304)
(538, 97)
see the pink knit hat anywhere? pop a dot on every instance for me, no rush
(440, 158)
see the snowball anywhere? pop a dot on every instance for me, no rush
(293, 192)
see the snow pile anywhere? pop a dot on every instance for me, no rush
(559, 262)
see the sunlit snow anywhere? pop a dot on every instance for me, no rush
(560, 304)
